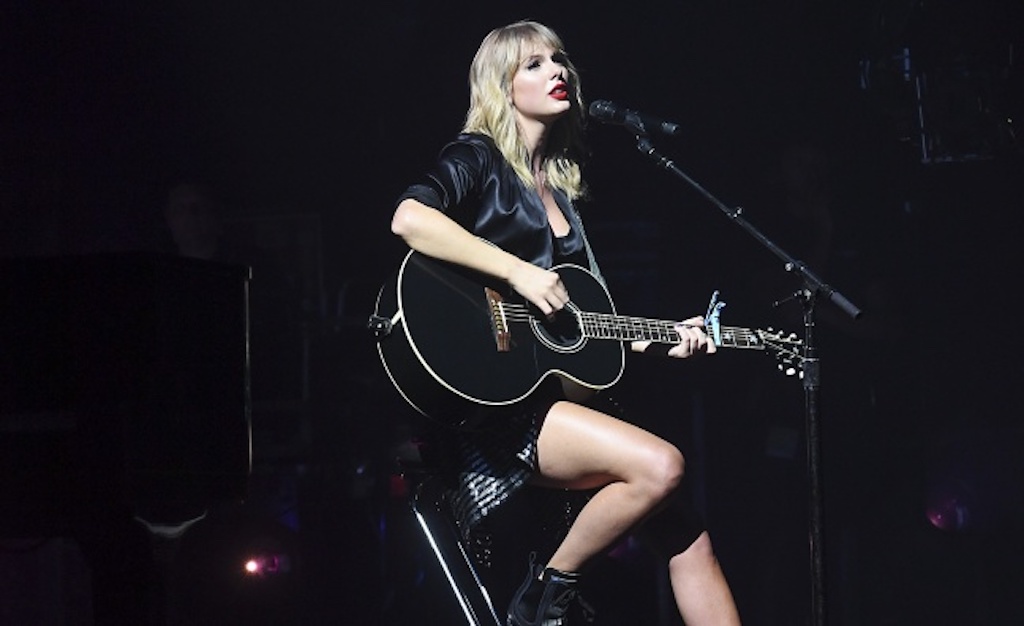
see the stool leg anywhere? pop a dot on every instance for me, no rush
(438, 526)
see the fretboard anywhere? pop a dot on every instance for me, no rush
(624, 328)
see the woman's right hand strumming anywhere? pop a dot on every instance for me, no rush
(542, 288)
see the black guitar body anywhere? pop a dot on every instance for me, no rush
(442, 350)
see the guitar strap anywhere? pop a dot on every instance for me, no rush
(577, 222)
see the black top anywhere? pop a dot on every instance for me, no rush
(475, 186)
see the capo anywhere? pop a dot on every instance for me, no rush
(712, 325)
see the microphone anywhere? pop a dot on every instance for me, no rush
(641, 123)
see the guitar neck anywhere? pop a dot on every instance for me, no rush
(625, 328)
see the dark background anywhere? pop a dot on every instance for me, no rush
(307, 119)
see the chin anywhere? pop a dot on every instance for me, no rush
(559, 112)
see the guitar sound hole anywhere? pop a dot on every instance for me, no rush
(562, 333)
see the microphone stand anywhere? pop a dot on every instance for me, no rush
(813, 290)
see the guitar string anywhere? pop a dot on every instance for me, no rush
(607, 322)
(521, 313)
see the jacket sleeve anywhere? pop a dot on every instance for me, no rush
(459, 170)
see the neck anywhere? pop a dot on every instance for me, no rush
(533, 132)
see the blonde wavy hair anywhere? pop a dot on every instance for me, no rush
(490, 110)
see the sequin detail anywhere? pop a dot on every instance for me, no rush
(493, 465)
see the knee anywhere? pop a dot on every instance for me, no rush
(664, 471)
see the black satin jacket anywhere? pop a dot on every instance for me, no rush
(474, 185)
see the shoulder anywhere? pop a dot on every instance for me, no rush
(471, 148)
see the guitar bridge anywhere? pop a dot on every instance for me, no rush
(499, 325)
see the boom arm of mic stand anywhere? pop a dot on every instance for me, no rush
(814, 284)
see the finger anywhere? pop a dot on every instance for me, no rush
(694, 341)
(561, 292)
(694, 321)
(544, 307)
(681, 351)
(687, 331)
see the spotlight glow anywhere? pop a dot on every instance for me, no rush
(267, 565)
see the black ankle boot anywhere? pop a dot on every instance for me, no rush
(544, 597)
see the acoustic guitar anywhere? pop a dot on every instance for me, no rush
(456, 342)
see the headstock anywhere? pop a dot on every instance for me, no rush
(786, 349)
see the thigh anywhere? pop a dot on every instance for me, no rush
(581, 448)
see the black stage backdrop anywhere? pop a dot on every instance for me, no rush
(875, 140)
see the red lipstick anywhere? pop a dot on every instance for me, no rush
(559, 92)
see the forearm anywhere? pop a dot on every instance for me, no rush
(434, 234)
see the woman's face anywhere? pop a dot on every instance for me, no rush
(540, 90)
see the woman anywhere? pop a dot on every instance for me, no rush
(510, 178)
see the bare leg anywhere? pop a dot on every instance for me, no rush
(579, 448)
(699, 586)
